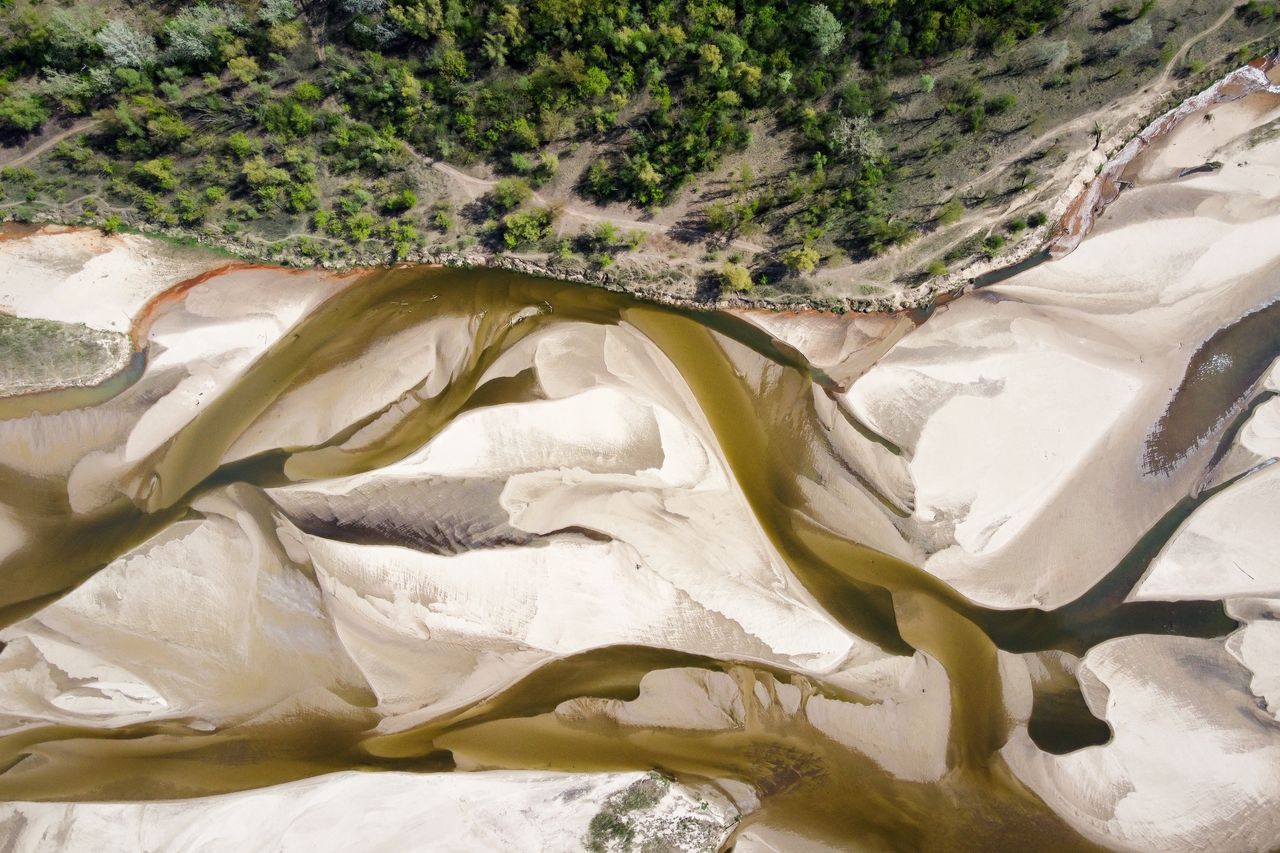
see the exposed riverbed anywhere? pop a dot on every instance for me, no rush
(692, 579)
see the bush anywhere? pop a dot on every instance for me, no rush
(1037, 219)
(157, 174)
(510, 193)
(526, 228)
(399, 202)
(802, 259)
(605, 234)
(936, 268)
(308, 93)
(1000, 104)
(951, 212)
(360, 225)
(976, 118)
(24, 113)
(442, 218)
(242, 146)
(735, 278)
(992, 245)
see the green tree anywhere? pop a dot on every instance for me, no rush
(801, 259)
(735, 278)
(243, 68)
(823, 29)
(157, 173)
(510, 193)
(22, 112)
(526, 228)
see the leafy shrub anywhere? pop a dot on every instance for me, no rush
(22, 112)
(399, 202)
(526, 228)
(735, 278)
(510, 193)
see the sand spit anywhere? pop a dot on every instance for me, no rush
(843, 347)
(94, 283)
(1085, 209)
(78, 275)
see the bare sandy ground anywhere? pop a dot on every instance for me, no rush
(495, 811)
(77, 275)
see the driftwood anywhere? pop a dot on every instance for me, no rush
(1211, 166)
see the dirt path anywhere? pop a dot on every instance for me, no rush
(475, 187)
(1122, 107)
(19, 159)
(1192, 42)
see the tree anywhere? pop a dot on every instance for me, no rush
(243, 68)
(125, 47)
(277, 11)
(801, 259)
(527, 227)
(735, 278)
(510, 193)
(197, 34)
(157, 173)
(822, 27)
(857, 139)
(22, 112)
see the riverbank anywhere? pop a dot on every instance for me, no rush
(676, 261)
(47, 272)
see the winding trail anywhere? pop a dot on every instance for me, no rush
(1122, 106)
(19, 159)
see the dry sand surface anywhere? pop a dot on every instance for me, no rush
(408, 528)
(494, 811)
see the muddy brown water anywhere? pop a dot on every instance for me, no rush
(771, 437)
